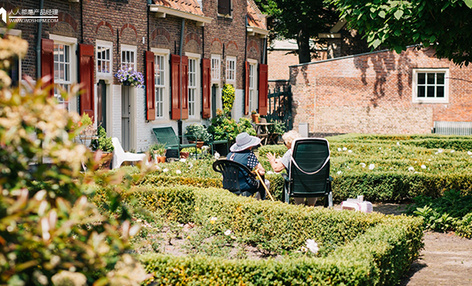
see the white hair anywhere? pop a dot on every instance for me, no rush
(289, 136)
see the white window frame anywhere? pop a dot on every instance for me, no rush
(108, 76)
(253, 94)
(130, 61)
(161, 86)
(195, 87)
(416, 84)
(231, 70)
(215, 68)
(72, 66)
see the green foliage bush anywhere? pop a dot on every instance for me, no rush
(48, 229)
(450, 212)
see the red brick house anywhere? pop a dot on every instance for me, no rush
(381, 92)
(186, 50)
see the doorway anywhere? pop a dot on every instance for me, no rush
(125, 118)
(214, 88)
(102, 104)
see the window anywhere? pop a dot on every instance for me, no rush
(128, 57)
(252, 87)
(231, 69)
(160, 79)
(430, 85)
(215, 68)
(224, 7)
(62, 71)
(104, 53)
(192, 86)
(14, 72)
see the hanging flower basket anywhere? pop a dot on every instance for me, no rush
(130, 77)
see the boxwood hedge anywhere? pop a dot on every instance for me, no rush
(355, 248)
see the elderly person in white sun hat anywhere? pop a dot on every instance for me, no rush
(241, 152)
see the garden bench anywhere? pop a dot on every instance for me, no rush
(166, 135)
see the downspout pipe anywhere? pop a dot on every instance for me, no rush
(180, 73)
(38, 44)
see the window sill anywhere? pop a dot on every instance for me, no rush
(430, 101)
(226, 16)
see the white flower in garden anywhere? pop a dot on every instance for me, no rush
(228, 232)
(398, 143)
(217, 155)
(178, 172)
(344, 148)
(312, 246)
(349, 151)
(411, 169)
(339, 149)
(183, 160)
(339, 172)
(423, 166)
(429, 160)
(440, 150)
(190, 165)
(304, 249)
(165, 170)
(452, 151)
(371, 166)
(269, 173)
(213, 220)
(469, 153)
(362, 165)
(380, 148)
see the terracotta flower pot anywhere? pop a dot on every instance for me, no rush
(161, 159)
(255, 118)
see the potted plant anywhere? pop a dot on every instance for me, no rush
(158, 152)
(255, 116)
(130, 77)
(197, 132)
(105, 145)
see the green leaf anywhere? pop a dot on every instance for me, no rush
(376, 43)
(468, 3)
(398, 14)
(382, 14)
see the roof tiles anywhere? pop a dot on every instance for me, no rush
(189, 6)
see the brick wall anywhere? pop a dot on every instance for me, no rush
(279, 62)
(372, 93)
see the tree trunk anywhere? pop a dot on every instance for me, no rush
(303, 41)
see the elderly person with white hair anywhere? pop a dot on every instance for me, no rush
(284, 163)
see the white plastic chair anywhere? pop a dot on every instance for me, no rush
(120, 156)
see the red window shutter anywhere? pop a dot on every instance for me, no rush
(184, 81)
(150, 92)
(175, 86)
(47, 63)
(86, 78)
(206, 79)
(263, 88)
(246, 88)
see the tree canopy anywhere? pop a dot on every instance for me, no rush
(445, 25)
(299, 19)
